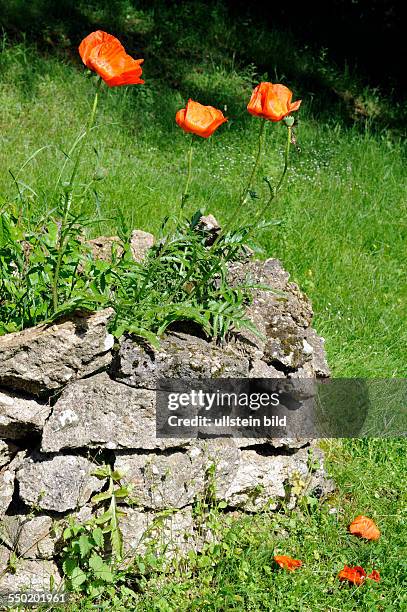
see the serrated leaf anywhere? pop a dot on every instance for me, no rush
(77, 578)
(101, 497)
(85, 545)
(100, 568)
(69, 565)
(101, 472)
(97, 535)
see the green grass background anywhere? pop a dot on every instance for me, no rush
(343, 213)
(342, 236)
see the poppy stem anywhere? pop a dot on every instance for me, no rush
(253, 173)
(88, 128)
(274, 192)
(185, 193)
(256, 163)
(68, 199)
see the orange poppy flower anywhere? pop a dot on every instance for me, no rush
(272, 102)
(355, 575)
(198, 119)
(364, 527)
(287, 563)
(374, 576)
(105, 54)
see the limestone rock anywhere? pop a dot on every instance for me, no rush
(59, 483)
(7, 481)
(173, 481)
(7, 452)
(31, 538)
(209, 226)
(179, 356)
(100, 412)
(20, 416)
(171, 533)
(319, 361)
(140, 242)
(247, 478)
(103, 247)
(30, 575)
(44, 358)
(281, 315)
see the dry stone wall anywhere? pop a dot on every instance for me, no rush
(71, 399)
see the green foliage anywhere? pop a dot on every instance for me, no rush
(93, 549)
(235, 570)
(28, 259)
(182, 279)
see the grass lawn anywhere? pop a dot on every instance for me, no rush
(342, 236)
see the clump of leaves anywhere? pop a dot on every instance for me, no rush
(28, 260)
(92, 548)
(183, 278)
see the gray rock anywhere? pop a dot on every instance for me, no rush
(7, 481)
(4, 558)
(247, 478)
(20, 416)
(104, 247)
(319, 361)
(44, 358)
(177, 480)
(179, 356)
(140, 242)
(7, 452)
(59, 483)
(31, 538)
(209, 226)
(281, 315)
(30, 575)
(170, 533)
(100, 412)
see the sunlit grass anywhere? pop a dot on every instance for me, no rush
(342, 232)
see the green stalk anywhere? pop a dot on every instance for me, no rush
(256, 163)
(68, 198)
(249, 185)
(185, 193)
(274, 192)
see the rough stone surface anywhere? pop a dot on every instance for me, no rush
(7, 481)
(7, 452)
(31, 538)
(140, 242)
(172, 533)
(45, 358)
(31, 575)
(176, 480)
(59, 483)
(104, 247)
(20, 416)
(283, 316)
(99, 412)
(179, 356)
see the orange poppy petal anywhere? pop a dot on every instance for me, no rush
(199, 119)
(180, 117)
(295, 105)
(105, 54)
(287, 562)
(354, 575)
(255, 106)
(364, 527)
(374, 576)
(272, 101)
(92, 41)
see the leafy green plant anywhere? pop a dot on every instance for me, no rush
(92, 549)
